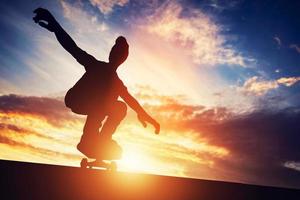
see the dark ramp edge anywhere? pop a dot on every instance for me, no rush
(20, 180)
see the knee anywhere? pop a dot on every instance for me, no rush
(119, 111)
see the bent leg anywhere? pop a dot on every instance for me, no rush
(92, 125)
(90, 134)
(115, 116)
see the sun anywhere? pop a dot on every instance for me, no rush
(135, 160)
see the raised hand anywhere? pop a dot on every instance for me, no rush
(146, 118)
(42, 16)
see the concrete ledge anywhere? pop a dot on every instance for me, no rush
(21, 180)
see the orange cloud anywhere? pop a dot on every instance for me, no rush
(31, 128)
(19, 143)
(51, 109)
(195, 141)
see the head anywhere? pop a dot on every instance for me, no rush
(119, 52)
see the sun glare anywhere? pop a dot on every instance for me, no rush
(135, 160)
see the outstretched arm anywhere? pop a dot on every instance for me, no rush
(42, 16)
(143, 116)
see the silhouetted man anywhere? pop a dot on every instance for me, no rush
(96, 93)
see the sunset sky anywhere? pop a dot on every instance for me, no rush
(222, 78)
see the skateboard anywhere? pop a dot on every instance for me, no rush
(110, 165)
(103, 157)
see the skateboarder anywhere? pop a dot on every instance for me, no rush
(97, 91)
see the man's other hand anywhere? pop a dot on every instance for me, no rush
(146, 118)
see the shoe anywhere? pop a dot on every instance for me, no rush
(87, 145)
(108, 150)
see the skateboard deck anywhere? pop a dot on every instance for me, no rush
(106, 164)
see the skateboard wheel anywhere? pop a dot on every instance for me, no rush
(84, 163)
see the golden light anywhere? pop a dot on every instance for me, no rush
(170, 153)
(135, 159)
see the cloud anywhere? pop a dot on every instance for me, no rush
(147, 63)
(288, 81)
(27, 144)
(49, 69)
(255, 128)
(38, 129)
(259, 143)
(42, 151)
(202, 142)
(199, 140)
(53, 110)
(23, 127)
(106, 6)
(20, 130)
(257, 86)
(222, 5)
(83, 21)
(278, 41)
(292, 165)
(12, 142)
(194, 30)
(296, 47)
